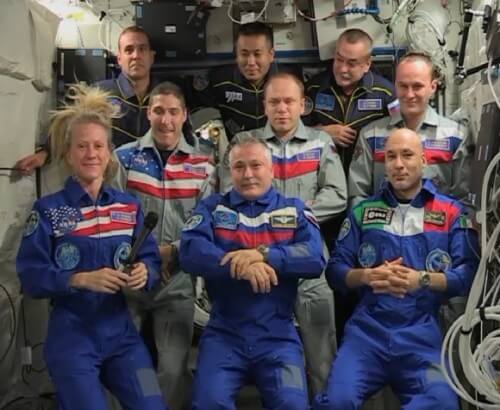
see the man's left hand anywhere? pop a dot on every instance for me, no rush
(138, 276)
(241, 260)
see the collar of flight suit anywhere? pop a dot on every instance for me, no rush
(236, 199)
(239, 78)
(127, 90)
(78, 196)
(428, 190)
(431, 118)
(300, 132)
(148, 142)
(366, 82)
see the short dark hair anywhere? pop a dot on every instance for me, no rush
(284, 75)
(134, 29)
(356, 35)
(256, 28)
(426, 58)
(168, 88)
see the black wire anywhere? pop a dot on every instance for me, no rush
(14, 322)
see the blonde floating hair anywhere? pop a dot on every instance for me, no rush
(87, 105)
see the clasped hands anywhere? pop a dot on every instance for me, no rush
(108, 280)
(248, 264)
(392, 278)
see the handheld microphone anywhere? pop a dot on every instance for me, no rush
(150, 222)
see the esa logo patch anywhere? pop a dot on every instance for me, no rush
(67, 256)
(373, 215)
(226, 219)
(121, 255)
(367, 255)
(31, 223)
(438, 260)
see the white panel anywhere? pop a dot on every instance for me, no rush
(16, 48)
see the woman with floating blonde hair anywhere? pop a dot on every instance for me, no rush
(73, 250)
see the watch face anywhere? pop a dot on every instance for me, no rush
(425, 279)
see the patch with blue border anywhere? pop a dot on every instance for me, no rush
(311, 155)
(370, 104)
(123, 217)
(438, 260)
(121, 255)
(344, 229)
(439, 145)
(324, 102)
(67, 256)
(367, 255)
(193, 222)
(31, 223)
(226, 219)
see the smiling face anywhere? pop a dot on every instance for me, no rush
(351, 62)
(404, 162)
(89, 152)
(414, 87)
(167, 115)
(254, 56)
(251, 170)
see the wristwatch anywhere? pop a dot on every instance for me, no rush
(264, 251)
(425, 279)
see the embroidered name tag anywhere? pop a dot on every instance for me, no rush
(370, 104)
(374, 215)
(283, 221)
(435, 217)
(120, 216)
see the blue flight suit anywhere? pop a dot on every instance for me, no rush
(390, 340)
(251, 337)
(91, 339)
(132, 122)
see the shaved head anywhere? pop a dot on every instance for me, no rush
(404, 162)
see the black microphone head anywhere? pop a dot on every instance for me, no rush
(151, 220)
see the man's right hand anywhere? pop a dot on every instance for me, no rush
(342, 135)
(261, 276)
(105, 280)
(28, 164)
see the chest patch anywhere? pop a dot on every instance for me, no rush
(283, 221)
(370, 104)
(226, 220)
(312, 155)
(124, 217)
(373, 215)
(325, 102)
(435, 217)
(440, 145)
(232, 96)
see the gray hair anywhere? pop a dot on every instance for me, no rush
(246, 138)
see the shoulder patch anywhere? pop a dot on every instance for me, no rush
(200, 82)
(67, 256)
(393, 107)
(344, 230)
(324, 102)
(31, 223)
(193, 222)
(465, 222)
(121, 255)
(308, 105)
(373, 215)
(367, 255)
(225, 219)
(435, 217)
(438, 260)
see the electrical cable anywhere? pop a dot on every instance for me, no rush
(334, 13)
(13, 322)
(259, 15)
